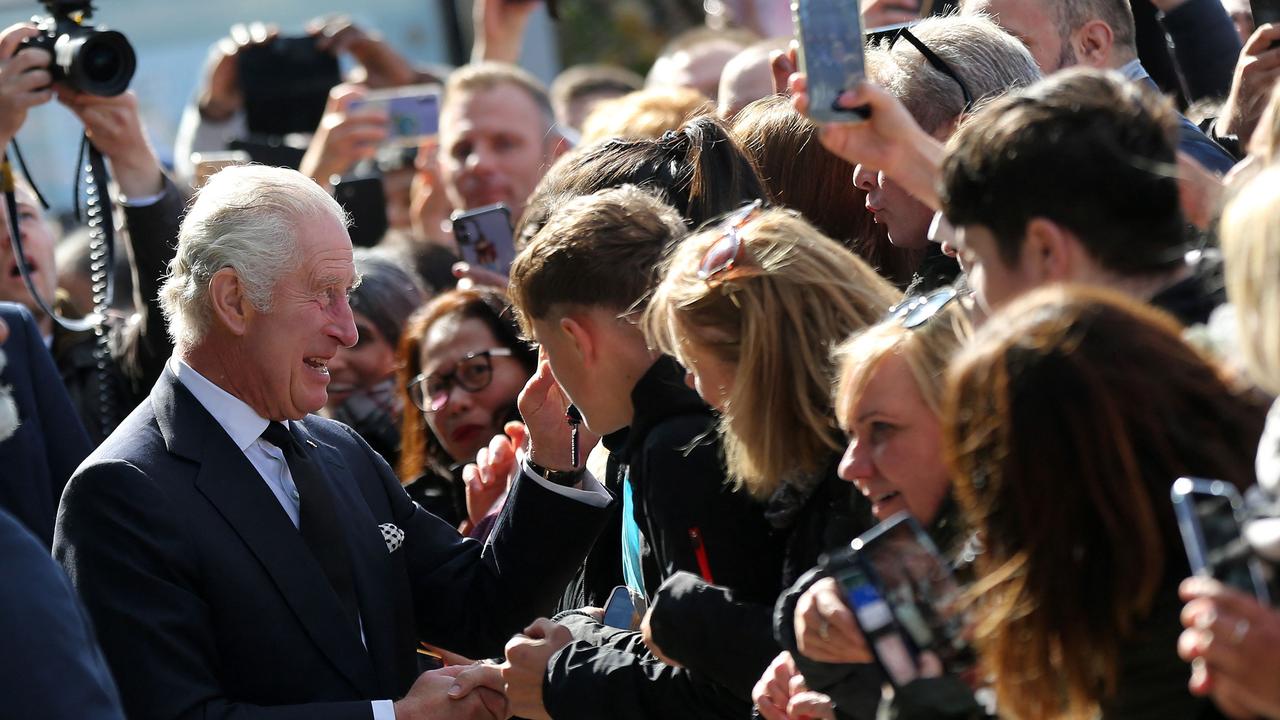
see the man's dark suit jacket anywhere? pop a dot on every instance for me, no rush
(209, 605)
(37, 461)
(51, 667)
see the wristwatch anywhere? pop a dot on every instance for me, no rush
(565, 478)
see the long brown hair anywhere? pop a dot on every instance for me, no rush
(420, 450)
(1065, 424)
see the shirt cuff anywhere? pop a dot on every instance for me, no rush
(592, 492)
(384, 710)
(146, 201)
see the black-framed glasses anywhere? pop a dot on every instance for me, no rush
(725, 253)
(916, 311)
(938, 63)
(473, 373)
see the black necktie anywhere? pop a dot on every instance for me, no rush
(318, 521)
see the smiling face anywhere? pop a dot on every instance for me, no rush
(279, 365)
(469, 420)
(361, 366)
(895, 447)
(38, 244)
(494, 147)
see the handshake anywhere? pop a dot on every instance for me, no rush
(486, 690)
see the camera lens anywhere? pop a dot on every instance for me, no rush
(102, 63)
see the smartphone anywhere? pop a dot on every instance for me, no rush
(207, 164)
(905, 599)
(413, 112)
(485, 237)
(286, 84)
(620, 611)
(364, 199)
(1265, 11)
(1208, 513)
(831, 55)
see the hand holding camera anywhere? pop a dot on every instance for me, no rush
(344, 137)
(25, 80)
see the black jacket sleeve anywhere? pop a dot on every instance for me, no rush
(734, 649)
(153, 238)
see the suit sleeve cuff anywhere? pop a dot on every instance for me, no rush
(384, 710)
(591, 493)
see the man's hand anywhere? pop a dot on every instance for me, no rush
(1233, 645)
(24, 79)
(383, 66)
(430, 699)
(825, 627)
(499, 29)
(219, 96)
(496, 465)
(878, 13)
(1255, 76)
(543, 405)
(344, 138)
(889, 141)
(526, 666)
(115, 127)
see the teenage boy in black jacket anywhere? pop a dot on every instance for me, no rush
(579, 287)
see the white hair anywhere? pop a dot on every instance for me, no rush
(244, 218)
(990, 60)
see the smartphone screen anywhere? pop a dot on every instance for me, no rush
(485, 237)
(286, 84)
(919, 585)
(831, 55)
(620, 611)
(1208, 518)
(413, 112)
(875, 616)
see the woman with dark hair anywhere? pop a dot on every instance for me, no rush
(1065, 424)
(362, 378)
(463, 365)
(699, 170)
(803, 175)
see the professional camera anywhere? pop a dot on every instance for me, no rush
(98, 62)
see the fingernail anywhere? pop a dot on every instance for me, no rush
(1205, 619)
(455, 691)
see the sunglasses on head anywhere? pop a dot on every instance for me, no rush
(936, 62)
(725, 253)
(916, 311)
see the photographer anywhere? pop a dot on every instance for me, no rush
(152, 209)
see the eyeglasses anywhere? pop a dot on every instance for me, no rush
(916, 311)
(473, 373)
(725, 253)
(938, 63)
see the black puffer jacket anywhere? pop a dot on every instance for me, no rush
(720, 634)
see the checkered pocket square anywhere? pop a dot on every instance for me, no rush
(393, 536)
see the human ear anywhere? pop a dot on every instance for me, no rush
(1093, 44)
(226, 296)
(581, 339)
(1049, 251)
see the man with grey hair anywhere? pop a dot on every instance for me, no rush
(498, 136)
(1093, 33)
(941, 69)
(242, 557)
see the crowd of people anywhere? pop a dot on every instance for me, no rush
(894, 418)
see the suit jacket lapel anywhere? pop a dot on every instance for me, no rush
(376, 580)
(241, 496)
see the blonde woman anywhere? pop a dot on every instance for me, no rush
(1233, 641)
(753, 308)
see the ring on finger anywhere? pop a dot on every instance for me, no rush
(1239, 631)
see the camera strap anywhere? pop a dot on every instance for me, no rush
(102, 255)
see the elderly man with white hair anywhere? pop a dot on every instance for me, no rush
(242, 557)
